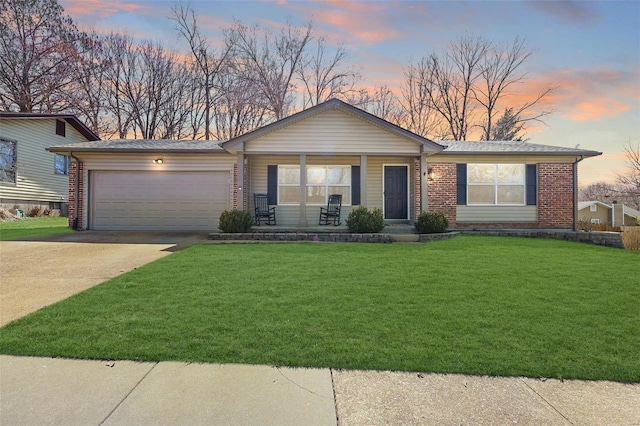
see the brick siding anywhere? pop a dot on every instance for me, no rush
(555, 198)
(72, 193)
(441, 191)
(417, 192)
(234, 201)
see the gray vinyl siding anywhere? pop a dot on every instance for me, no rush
(287, 214)
(36, 179)
(497, 214)
(332, 132)
(144, 162)
(171, 162)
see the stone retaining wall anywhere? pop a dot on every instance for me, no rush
(342, 237)
(610, 239)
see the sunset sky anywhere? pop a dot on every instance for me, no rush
(590, 50)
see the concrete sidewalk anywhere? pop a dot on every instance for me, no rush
(48, 391)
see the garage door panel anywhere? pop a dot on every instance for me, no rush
(158, 201)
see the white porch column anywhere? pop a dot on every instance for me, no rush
(240, 181)
(424, 181)
(363, 180)
(302, 221)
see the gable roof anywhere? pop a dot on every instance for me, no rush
(69, 118)
(585, 204)
(628, 211)
(142, 145)
(510, 147)
(631, 212)
(237, 142)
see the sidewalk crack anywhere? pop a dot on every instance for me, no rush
(548, 403)
(301, 387)
(128, 393)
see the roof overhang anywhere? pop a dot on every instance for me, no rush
(238, 143)
(141, 146)
(69, 118)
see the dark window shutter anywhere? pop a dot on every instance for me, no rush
(355, 185)
(461, 174)
(532, 184)
(272, 185)
(60, 128)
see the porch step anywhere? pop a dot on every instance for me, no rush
(399, 229)
(405, 238)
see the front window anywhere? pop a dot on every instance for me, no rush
(496, 184)
(322, 181)
(8, 161)
(62, 164)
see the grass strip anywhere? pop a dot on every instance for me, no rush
(474, 305)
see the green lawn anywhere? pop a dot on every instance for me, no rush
(33, 227)
(477, 305)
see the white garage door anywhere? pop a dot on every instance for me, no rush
(178, 201)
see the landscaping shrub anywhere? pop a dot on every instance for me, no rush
(6, 215)
(431, 223)
(235, 221)
(363, 220)
(35, 211)
(52, 212)
(586, 225)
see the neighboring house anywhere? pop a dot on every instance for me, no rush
(29, 175)
(298, 161)
(613, 214)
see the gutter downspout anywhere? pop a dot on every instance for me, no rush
(74, 225)
(575, 193)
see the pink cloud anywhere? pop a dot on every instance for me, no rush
(101, 8)
(593, 94)
(596, 109)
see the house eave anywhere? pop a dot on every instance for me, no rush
(69, 118)
(237, 143)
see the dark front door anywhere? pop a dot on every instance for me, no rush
(395, 192)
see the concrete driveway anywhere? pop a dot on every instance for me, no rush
(42, 271)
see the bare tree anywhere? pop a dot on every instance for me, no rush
(270, 61)
(241, 107)
(325, 76)
(37, 48)
(118, 47)
(501, 70)
(379, 101)
(464, 87)
(206, 60)
(453, 76)
(629, 181)
(88, 94)
(599, 191)
(418, 114)
(150, 88)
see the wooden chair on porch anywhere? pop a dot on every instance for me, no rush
(262, 210)
(331, 213)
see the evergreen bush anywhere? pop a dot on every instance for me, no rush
(362, 220)
(235, 221)
(431, 223)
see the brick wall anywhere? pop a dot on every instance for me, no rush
(72, 193)
(555, 196)
(441, 191)
(234, 201)
(417, 191)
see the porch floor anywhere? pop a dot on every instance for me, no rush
(320, 229)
